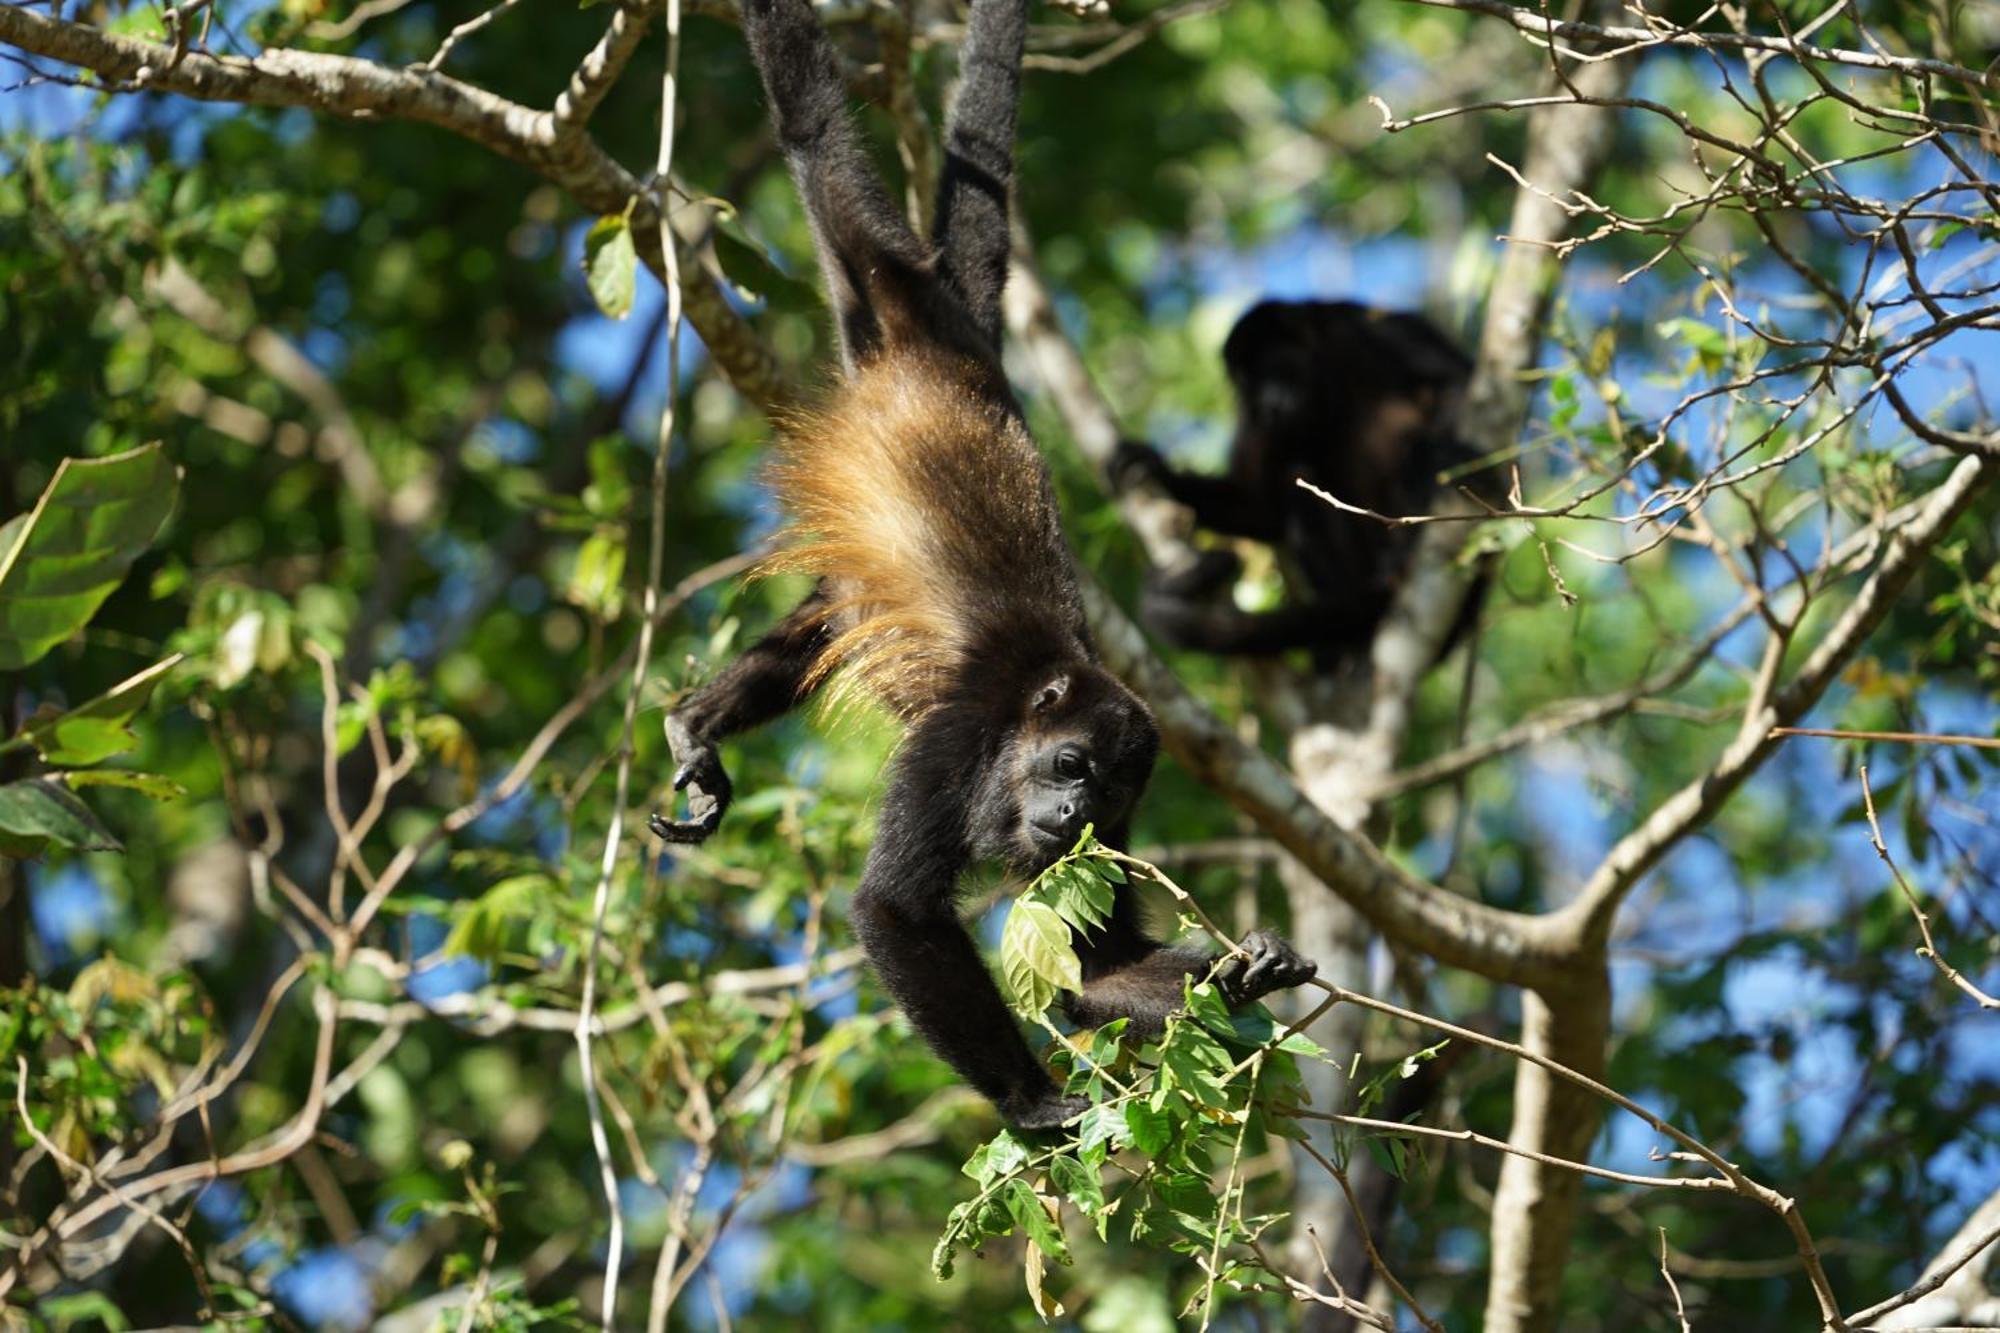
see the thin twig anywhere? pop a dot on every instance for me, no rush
(1929, 949)
(1893, 737)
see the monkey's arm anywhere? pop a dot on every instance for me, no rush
(1220, 504)
(1128, 974)
(972, 234)
(765, 682)
(867, 251)
(906, 915)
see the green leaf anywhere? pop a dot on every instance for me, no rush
(1027, 1209)
(1206, 1006)
(482, 931)
(608, 497)
(747, 262)
(258, 639)
(1196, 1063)
(62, 559)
(83, 1309)
(146, 784)
(1003, 1155)
(1183, 1213)
(1105, 1125)
(95, 731)
(1150, 1130)
(1393, 1155)
(1079, 1183)
(1036, 957)
(611, 265)
(1082, 899)
(1254, 1027)
(1105, 1042)
(41, 812)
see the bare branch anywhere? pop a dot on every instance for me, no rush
(1537, 23)
(1929, 949)
(1693, 805)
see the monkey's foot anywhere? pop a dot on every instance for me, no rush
(1050, 1111)
(684, 832)
(708, 792)
(1272, 965)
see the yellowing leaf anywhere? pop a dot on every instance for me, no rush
(1032, 1271)
(113, 979)
(1036, 956)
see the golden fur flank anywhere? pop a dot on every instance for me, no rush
(919, 498)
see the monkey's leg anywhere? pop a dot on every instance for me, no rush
(905, 913)
(765, 682)
(867, 251)
(972, 234)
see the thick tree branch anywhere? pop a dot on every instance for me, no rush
(1501, 945)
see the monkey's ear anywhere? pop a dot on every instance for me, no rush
(1050, 694)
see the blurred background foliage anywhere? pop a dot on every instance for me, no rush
(443, 496)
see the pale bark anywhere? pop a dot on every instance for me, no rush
(1534, 1209)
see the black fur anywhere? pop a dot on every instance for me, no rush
(1034, 739)
(1359, 403)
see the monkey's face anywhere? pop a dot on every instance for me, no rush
(1083, 755)
(1290, 361)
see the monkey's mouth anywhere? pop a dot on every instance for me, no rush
(1048, 841)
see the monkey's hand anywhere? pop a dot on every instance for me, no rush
(1189, 606)
(1271, 965)
(701, 776)
(1134, 465)
(1046, 1110)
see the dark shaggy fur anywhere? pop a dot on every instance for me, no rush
(1355, 400)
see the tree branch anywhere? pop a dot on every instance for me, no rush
(1536, 23)
(1693, 805)
(1501, 945)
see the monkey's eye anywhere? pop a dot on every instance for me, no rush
(1071, 765)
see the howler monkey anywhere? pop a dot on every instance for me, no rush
(1357, 401)
(944, 588)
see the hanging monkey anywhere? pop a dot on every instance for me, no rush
(945, 589)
